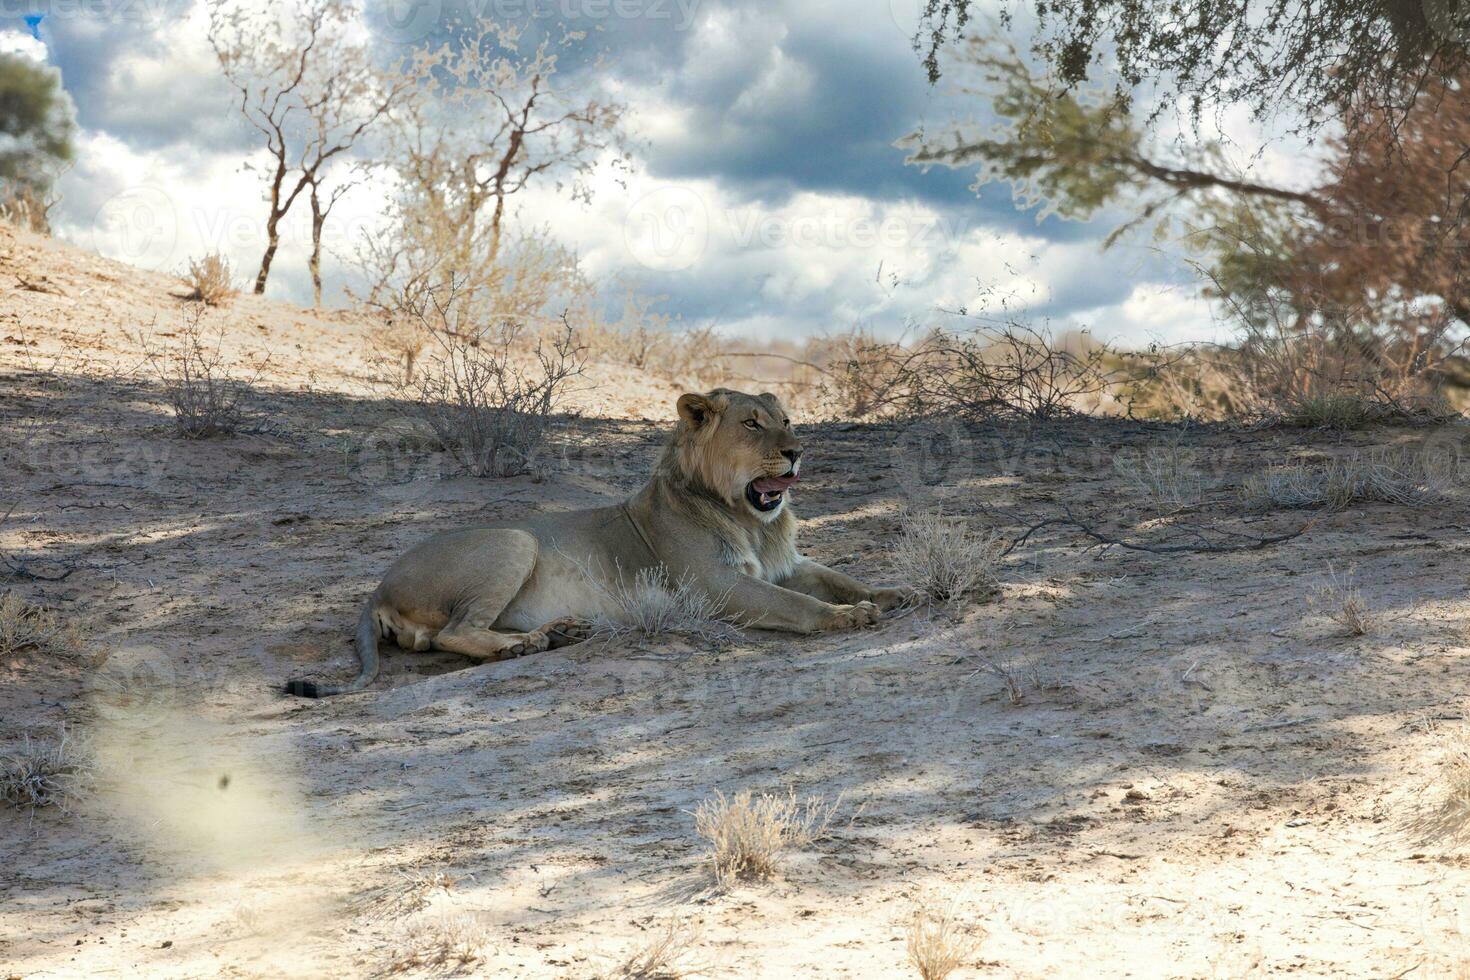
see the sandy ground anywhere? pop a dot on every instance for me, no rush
(1204, 777)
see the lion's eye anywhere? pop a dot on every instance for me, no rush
(752, 424)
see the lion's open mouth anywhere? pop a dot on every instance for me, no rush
(767, 492)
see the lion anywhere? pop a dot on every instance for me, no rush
(715, 513)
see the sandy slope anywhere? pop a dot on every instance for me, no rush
(1273, 761)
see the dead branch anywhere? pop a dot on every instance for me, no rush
(1216, 541)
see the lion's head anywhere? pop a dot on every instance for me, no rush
(740, 448)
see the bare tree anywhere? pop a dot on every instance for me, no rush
(308, 84)
(484, 122)
(321, 208)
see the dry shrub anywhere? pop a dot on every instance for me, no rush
(489, 389)
(649, 606)
(209, 279)
(1011, 371)
(1012, 675)
(441, 946)
(664, 957)
(1166, 475)
(23, 206)
(1442, 816)
(25, 626)
(1409, 477)
(1309, 366)
(206, 396)
(1341, 601)
(410, 893)
(749, 835)
(938, 944)
(41, 774)
(945, 558)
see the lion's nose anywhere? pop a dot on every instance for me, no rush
(792, 454)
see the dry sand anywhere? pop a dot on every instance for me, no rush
(1204, 777)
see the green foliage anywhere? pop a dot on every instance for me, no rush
(37, 124)
(1069, 152)
(1316, 58)
(37, 120)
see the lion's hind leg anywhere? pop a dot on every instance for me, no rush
(487, 644)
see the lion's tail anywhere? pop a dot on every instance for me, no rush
(367, 657)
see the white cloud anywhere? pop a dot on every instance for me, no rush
(14, 42)
(800, 262)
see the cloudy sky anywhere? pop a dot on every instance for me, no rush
(767, 195)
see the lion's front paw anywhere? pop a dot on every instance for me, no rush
(854, 616)
(889, 599)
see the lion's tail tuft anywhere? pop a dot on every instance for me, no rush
(367, 658)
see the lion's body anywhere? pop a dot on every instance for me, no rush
(509, 589)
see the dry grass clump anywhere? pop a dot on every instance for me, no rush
(938, 944)
(649, 606)
(1166, 475)
(42, 774)
(1443, 817)
(206, 396)
(665, 957)
(411, 893)
(1341, 601)
(945, 558)
(749, 835)
(209, 279)
(25, 626)
(1412, 478)
(445, 946)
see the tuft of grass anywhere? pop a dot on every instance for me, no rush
(1332, 409)
(938, 944)
(411, 893)
(209, 279)
(444, 946)
(1443, 815)
(749, 835)
(664, 957)
(944, 558)
(1166, 475)
(1411, 478)
(1340, 600)
(649, 606)
(25, 626)
(42, 774)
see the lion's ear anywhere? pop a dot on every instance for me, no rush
(696, 409)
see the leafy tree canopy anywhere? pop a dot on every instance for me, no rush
(1316, 58)
(37, 122)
